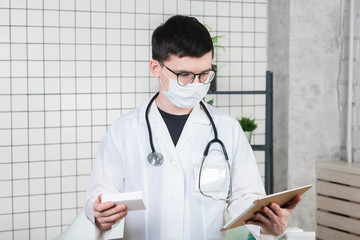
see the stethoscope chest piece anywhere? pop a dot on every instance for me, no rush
(155, 158)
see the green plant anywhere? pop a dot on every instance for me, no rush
(210, 102)
(247, 124)
(215, 39)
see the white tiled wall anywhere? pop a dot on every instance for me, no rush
(69, 68)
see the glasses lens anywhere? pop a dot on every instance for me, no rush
(207, 77)
(185, 78)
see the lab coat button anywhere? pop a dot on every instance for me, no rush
(174, 161)
(175, 199)
(175, 238)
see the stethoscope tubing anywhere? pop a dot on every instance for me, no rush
(156, 158)
(148, 122)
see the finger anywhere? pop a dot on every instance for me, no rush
(104, 226)
(269, 213)
(101, 207)
(113, 210)
(259, 216)
(97, 201)
(255, 222)
(121, 207)
(99, 197)
(276, 209)
(123, 214)
(117, 220)
(112, 219)
(293, 203)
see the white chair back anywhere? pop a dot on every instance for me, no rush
(82, 228)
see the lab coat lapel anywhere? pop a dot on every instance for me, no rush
(186, 134)
(197, 116)
(161, 135)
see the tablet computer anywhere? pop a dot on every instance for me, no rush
(280, 198)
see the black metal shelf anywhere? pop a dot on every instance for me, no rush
(258, 147)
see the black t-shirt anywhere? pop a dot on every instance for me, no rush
(174, 123)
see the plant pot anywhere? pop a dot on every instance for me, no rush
(248, 135)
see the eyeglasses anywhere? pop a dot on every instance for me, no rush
(185, 78)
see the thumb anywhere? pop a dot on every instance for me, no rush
(293, 203)
(99, 197)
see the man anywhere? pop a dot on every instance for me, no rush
(187, 193)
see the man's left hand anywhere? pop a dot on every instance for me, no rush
(273, 219)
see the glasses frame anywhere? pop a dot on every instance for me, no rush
(213, 68)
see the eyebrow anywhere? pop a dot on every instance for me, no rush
(185, 71)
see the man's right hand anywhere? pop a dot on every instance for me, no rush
(108, 213)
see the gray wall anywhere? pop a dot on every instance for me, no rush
(343, 79)
(304, 54)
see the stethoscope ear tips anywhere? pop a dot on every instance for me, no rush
(155, 159)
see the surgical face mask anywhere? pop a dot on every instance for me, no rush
(185, 96)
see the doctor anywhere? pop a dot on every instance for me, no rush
(186, 191)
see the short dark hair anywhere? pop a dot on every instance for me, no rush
(181, 36)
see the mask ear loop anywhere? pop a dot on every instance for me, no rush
(160, 77)
(164, 72)
(161, 84)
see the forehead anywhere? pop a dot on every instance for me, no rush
(190, 64)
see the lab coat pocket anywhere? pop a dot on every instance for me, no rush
(213, 174)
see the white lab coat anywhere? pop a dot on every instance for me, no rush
(175, 208)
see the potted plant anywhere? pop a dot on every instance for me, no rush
(248, 125)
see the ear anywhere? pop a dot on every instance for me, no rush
(155, 68)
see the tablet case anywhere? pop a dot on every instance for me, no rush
(280, 198)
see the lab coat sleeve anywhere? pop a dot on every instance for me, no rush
(246, 180)
(107, 175)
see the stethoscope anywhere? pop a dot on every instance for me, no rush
(156, 159)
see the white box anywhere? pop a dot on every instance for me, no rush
(132, 200)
